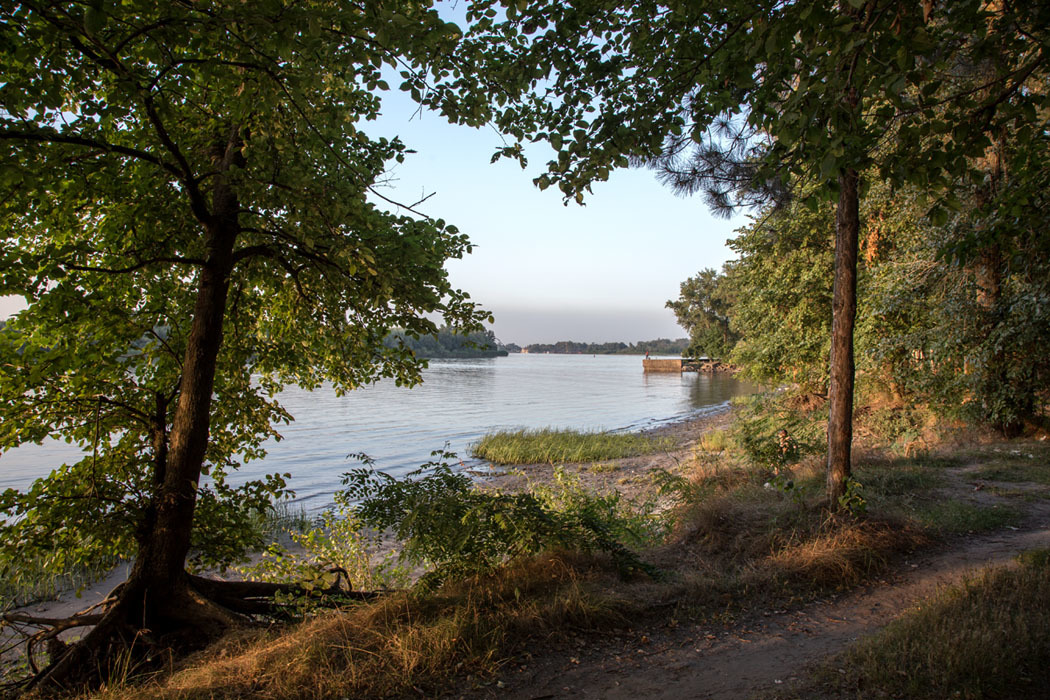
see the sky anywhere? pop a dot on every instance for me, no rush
(548, 272)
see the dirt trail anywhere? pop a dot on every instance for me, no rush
(766, 654)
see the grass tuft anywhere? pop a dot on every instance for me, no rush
(549, 446)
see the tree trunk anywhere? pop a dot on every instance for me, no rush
(158, 607)
(844, 312)
(160, 565)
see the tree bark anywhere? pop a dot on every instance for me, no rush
(844, 312)
(162, 557)
(158, 606)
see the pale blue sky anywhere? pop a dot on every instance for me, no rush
(549, 272)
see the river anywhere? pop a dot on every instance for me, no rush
(458, 402)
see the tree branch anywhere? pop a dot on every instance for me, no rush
(177, 260)
(45, 137)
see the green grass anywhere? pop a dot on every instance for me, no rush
(714, 441)
(549, 446)
(957, 517)
(982, 639)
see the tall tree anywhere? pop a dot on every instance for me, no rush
(742, 100)
(739, 99)
(188, 209)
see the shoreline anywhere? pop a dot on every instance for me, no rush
(630, 476)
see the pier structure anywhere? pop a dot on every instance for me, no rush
(704, 364)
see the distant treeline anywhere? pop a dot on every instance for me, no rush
(660, 346)
(447, 344)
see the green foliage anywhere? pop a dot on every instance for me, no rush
(782, 283)
(897, 425)
(457, 530)
(702, 308)
(447, 342)
(772, 435)
(189, 184)
(335, 548)
(852, 500)
(940, 333)
(550, 446)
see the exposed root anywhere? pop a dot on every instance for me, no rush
(128, 629)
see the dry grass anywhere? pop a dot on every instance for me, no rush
(740, 545)
(747, 547)
(844, 553)
(984, 638)
(400, 645)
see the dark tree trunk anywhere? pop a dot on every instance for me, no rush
(162, 556)
(158, 606)
(844, 312)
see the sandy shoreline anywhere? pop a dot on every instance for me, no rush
(630, 476)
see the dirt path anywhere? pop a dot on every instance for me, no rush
(768, 653)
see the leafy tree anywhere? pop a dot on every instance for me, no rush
(447, 342)
(747, 100)
(782, 286)
(188, 209)
(929, 326)
(702, 308)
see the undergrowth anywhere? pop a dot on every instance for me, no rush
(742, 527)
(403, 644)
(455, 530)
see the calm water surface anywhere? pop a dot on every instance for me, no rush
(458, 402)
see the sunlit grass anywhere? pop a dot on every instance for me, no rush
(402, 645)
(550, 446)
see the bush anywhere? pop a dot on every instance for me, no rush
(445, 523)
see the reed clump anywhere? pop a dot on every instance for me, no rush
(551, 446)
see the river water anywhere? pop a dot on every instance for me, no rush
(458, 402)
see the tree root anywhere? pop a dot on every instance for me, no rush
(129, 636)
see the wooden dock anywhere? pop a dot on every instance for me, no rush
(680, 365)
(662, 365)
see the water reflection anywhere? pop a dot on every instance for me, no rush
(458, 402)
